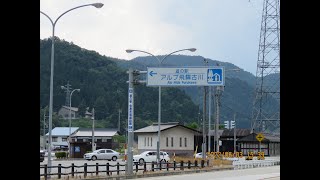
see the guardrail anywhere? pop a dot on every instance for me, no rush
(254, 163)
(161, 166)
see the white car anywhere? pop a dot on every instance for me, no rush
(108, 154)
(199, 155)
(149, 156)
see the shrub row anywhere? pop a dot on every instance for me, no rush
(61, 154)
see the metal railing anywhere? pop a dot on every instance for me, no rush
(83, 169)
(254, 163)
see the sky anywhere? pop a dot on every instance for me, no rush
(223, 30)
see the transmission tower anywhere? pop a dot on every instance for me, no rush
(67, 89)
(266, 106)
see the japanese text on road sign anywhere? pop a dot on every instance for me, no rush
(185, 76)
(130, 110)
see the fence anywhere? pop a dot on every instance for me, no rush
(254, 163)
(162, 166)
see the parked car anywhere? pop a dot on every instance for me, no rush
(199, 155)
(107, 154)
(149, 156)
(42, 153)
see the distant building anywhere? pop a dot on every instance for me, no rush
(270, 145)
(82, 138)
(60, 136)
(64, 112)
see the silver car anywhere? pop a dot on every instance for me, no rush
(107, 154)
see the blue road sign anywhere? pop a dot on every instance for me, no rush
(76, 149)
(185, 76)
(130, 110)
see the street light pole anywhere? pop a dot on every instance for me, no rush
(69, 139)
(44, 129)
(93, 143)
(159, 105)
(97, 5)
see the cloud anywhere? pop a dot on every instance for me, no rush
(225, 30)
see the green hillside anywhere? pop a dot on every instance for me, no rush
(103, 86)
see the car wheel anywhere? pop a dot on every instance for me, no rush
(163, 161)
(114, 158)
(141, 162)
(94, 158)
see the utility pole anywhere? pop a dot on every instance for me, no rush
(68, 90)
(130, 123)
(203, 123)
(93, 141)
(133, 80)
(119, 120)
(234, 134)
(44, 129)
(217, 98)
(217, 94)
(204, 116)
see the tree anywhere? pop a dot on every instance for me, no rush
(82, 108)
(119, 138)
(192, 125)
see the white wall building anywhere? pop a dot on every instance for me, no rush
(174, 138)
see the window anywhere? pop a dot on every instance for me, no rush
(54, 139)
(109, 151)
(102, 151)
(151, 141)
(145, 141)
(64, 139)
(148, 141)
(167, 141)
(104, 140)
(180, 141)
(171, 141)
(185, 142)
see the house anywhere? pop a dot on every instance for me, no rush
(82, 138)
(60, 136)
(64, 112)
(174, 138)
(270, 144)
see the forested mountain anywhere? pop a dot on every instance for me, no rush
(103, 87)
(102, 81)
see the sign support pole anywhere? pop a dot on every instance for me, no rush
(130, 123)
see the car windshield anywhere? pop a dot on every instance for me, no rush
(96, 151)
(144, 153)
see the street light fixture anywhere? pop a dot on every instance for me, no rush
(159, 109)
(97, 5)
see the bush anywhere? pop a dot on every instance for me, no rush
(61, 154)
